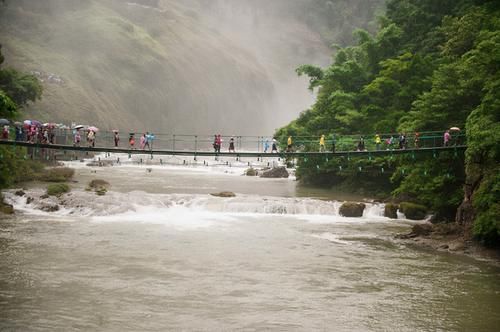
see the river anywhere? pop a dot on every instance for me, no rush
(157, 253)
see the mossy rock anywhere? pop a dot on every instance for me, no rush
(101, 191)
(413, 211)
(251, 172)
(391, 210)
(6, 208)
(277, 173)
(224, 194)
(352, 210)
(57, 189)
(98, 183)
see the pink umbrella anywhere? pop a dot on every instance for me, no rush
(92, 128)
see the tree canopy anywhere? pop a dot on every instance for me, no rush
(432, 65)
(16, 89)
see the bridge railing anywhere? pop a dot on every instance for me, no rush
(204, 143)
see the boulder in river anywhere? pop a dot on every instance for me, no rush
(391, 210)
(251, 172)
(276, 172)
(351, 209)
(413, 211)
(20, 193)
(6, 208)
(224, 194)
(50, 208)
(418, 230)
(100, 187)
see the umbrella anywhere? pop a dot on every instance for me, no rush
(4, 122)
(17, 123)
(27, 122)
(115, 130)
(455, 129)
(36, 123)
(92, 128)
(79, 127)
(50, 124)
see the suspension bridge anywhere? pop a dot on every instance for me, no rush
(253, 146)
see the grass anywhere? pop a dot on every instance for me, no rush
(57, 189)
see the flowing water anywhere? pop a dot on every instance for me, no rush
(158, 253)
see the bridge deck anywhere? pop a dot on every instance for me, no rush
(228, 154)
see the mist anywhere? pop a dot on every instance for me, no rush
(184, 67)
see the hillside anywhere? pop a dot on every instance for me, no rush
(165, 66)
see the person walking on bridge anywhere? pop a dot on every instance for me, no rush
(417, 140)
(5, 132)
(77, 138)
(266, 145)
(219, 143)
(215, 143)
(231, 145)
(147, 141)
(447, 138)
(275, 146)
(91, 139)
(116, 137)
(322, 143)
(378, 141)
(143, 141)
(131, 140)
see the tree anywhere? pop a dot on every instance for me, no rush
(7, 106)
(21, 88)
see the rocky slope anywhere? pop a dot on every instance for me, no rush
(159, 65)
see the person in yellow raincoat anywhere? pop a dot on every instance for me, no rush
(322, 143)
(378, 141)
(289, 144)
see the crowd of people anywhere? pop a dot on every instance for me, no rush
(35, 132)
(391, 142)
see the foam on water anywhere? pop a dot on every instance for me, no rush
(186, 210)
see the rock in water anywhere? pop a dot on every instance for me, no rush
(251, 172)
(351, 209)
(50, 208)
(224, 194)
(277, 173)
(413, 211)
(391, 211)
(20, 193)
(6, 208)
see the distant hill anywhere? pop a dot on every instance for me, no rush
(165, 65)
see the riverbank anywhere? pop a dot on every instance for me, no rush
(448, 238)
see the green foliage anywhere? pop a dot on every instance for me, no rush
(58, 174)
(432, 65)
(14, 169)
(57, 189)
(21, 88)
(435, 183)
(7, 107)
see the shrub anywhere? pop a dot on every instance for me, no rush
(57, 189)
(59, 174)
